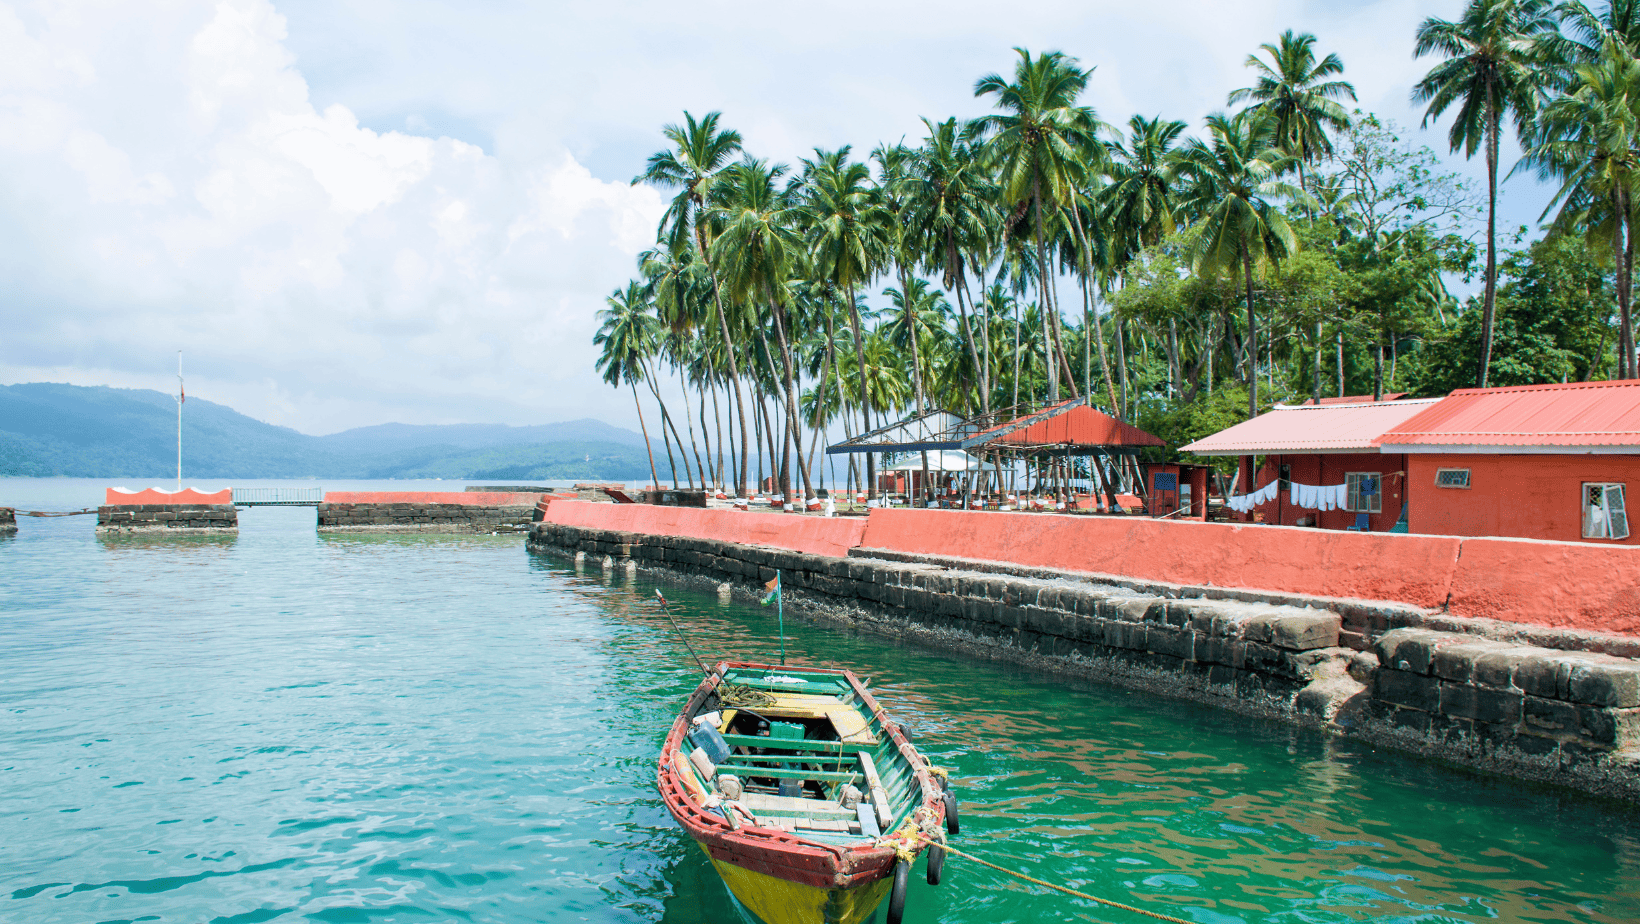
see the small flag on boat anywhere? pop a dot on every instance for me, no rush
(773, 587)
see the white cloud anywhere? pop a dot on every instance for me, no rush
(186, 194)
(348, 212)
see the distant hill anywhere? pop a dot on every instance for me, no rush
(100, 432)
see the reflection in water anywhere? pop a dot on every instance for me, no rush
(178, 541)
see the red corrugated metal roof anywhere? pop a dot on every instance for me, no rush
(1581, 414)
(1080, 426)
(1310, 428)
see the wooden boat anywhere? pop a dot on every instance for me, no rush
(808, 801)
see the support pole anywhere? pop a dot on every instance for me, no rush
(182, 395)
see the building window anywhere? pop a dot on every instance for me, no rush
(1604, 514)
(1364, 492)
(1452, 478)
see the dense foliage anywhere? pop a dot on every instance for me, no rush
(1294, 249)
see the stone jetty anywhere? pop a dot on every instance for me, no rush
(1556, 703)
(427, 511)
(152, 518)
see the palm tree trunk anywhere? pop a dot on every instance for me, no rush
(1121, 368)
(670, 461)
(962, 310)
(1378, 367)
(1252, 334)
(689, 424)
(717, 418)
(1042, 293)
(1094, 326)
(1340, 344)
(1625, 289)
(1490, 300)
(1317, 389)
(729, 349)
(1015, 402)
(865, 387)
(656, 478)
(793, 417)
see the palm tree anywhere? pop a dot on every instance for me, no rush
(1293, 90)
(1587, 139)
(1137, 207)
(1496, 64)
(757, 254)
(627, 333)
(692, 167)
(950, 215)
(1233, 186)
(1586, 32)
(1038, 140)
(848, 234)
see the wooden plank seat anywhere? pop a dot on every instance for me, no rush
(791, 806)
(779, 773)
(789, 745)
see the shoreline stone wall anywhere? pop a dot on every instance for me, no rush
(149, 518)
(1455, 689)
(411, 516)
(8, 520)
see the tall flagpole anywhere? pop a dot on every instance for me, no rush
(182, 395)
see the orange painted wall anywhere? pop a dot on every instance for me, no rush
(1330, 470)
(1373, 566)
(1573, 585)
(475, 498)
(116, 497)
(1526, 496)
(816, 535)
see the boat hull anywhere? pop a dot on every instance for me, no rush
(771, 900)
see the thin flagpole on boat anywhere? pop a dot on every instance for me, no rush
(675, 627)
(779, 600)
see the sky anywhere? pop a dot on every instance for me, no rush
(353, 212)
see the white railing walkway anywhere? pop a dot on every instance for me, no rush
(278, 497)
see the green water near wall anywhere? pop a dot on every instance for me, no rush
(287, 727)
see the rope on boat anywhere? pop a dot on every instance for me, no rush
(1058, 888)
(735, 696)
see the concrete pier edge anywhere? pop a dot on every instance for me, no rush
(1555, 706)
(420, 516)
(162, 518)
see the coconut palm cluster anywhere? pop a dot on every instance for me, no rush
(1293, 247)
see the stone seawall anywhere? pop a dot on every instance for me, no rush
(1465, 692)
(147, 518)
(424, 517)
(8, 520)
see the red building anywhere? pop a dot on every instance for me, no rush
(1330, 445)
(1537, 462)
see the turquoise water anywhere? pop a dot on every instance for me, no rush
(285, 727)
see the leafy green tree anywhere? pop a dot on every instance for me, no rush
(1497, 63)
(1553, 324)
